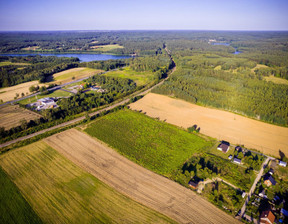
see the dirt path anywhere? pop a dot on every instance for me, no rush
(223, 125)
(138, 183)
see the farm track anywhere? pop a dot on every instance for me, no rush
(138, 183)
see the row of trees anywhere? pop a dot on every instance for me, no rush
(39, 68)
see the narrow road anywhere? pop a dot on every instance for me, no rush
(252, 189)
(91, 114)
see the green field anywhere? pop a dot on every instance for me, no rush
(13, 207)
(141, 78)
(61, 192)
(108, 47)
(4, 63)
(155, 145)
(77, 73)
(57, 93)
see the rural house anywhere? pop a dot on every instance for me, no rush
(236, 160)
(224, 146)
(269, 180)
(267, 217)
(194, 182)
(281, 163)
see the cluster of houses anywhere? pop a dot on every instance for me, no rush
(225, 146)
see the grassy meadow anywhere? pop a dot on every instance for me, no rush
(158, 146)
(141, 78)
(61, 192)
(108, 47)
(13, 207)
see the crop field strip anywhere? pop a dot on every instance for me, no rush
(142, 185)
(219, 124)
(10, 116)
(13, 207)
(61, 192)
(10, 92)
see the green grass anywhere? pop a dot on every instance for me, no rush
(156, 145)
(108, 47)
(57, 93)
(61, 192)
(13, 207)
(141, 78)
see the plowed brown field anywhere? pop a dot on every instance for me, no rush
(142, 185)
(219, 124)
(11, 116)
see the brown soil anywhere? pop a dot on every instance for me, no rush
(223, 125)
(10, 116)
(142, 185)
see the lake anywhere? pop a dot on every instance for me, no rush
(82, 57)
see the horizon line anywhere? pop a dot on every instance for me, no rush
(109, 30)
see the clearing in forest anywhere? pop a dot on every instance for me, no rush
(11, 116)
(223, 125)
(61, 192)
(141, 78)
(107, 47)
(77, 73)
(142, 185)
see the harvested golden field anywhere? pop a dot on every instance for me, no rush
(219, 124)
(61, 192)
(140, 184)
(77, 73)
(10, 116)
(8, 93)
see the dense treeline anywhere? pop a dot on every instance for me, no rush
(39, 68)
(105, 65)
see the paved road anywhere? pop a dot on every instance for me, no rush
(91, 114)
(252, 189)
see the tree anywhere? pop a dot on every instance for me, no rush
(22, 94)
(23, 124)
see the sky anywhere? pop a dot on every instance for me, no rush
(38, 15)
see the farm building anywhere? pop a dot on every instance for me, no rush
(267, 217)
(194, 182)
(281, 163)
(47, 101)
(224, 146)
(236, 160)
(269, 180)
